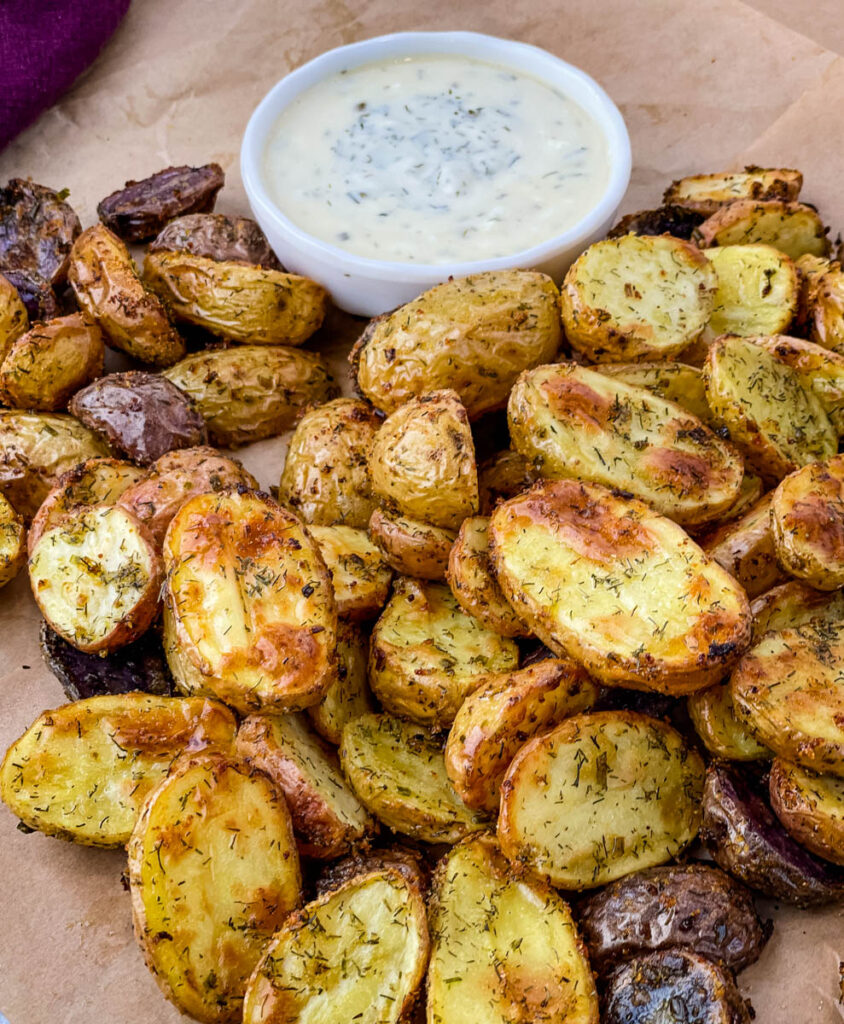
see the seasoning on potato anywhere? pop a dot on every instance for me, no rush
(707, 193)
(793, 228)
(226, 239)
(411, 547)
(794, 604)
(811, 807)
(665, 220)
(757, 291)
(745, 548)
(348, 697)
(13, 317)
(826, 311)
(720, 730)
(12, 542)
(675, 382)
(359, 575)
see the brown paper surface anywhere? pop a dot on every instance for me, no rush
(702, 86)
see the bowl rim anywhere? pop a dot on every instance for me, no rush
(478, 46)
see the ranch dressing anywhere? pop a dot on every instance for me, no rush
(434, 159)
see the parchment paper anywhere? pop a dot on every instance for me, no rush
(702, 86)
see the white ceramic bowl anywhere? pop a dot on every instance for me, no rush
(368, 287)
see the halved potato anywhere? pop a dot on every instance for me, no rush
(356, 954)
(12, 543)
(504, 949)
(96, 576)
(618, 588)
(745, 548)
(714, 718)
(411, 547)
(327, 816)
(793, 228)
(409, 861)
(202, 931)
(82, 772)
(398, 772)
(502, 714)
(359, 575)
(750, 493)
(348, 697)
(811, 807)
(571, 421)
(707, 193)
(603, 794)
(789, 691)
(794, 604)
(249, 611)
(503, 476)
(810, 273)
(826, 311)
(757, 290)
(675, 382)
(426, 654)
(637, 297)
(13, 316)
(820, 371)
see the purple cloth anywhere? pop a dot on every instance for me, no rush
(44, 46)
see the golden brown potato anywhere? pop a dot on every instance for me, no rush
(810, 274)
(472, 334)
(348, 697)
(745, 548)
(503, 476)
(325, 480)
(675, 382)
(571, 421)
(359, 575)
(714, 718)
(250, 392)
(750, 492)
(13, 318)
(793, 228)
(501, 715)
(411, 547)
(794, 604)
(811, 807)
(107, 288)
(825, 314)
(474, 586)
(623, 591)
(96, 576)
(615, 770)
(707, 193)
(637, 297)
(249, 611)
(757, 290)
(426, 655)
(422, 461)
(12, 543)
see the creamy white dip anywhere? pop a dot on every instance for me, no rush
(434, 159)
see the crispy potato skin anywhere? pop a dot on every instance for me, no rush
(503, 476)
(12, 542)
(793, 228)
(411, 547)
(559, 553)
(745, 548)
(360, 576)
(13, 317)
(325, 479)
(227, 239)
(794, 604)
(108, 289)
(408, 862)
(714, 718)
(236, 301)
(665, 220)
(810, 807)
(758, 290)
(348, 697)
(473, 334)
(675, 382)
(825, 312)
(810, 273)
(707, 193)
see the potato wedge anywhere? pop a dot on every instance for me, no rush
(473, 334)
(820, 371)
(793, 228)
(348, 697)
(251, 392)
(13, 317)
(714, 718)
(794, 604)
(235, 301)
(359, 575)
(202, 932)
(618, 588)
(96, 576)
(426, 655)
(83, 771)
(397, 770)
(422, 461)
(810, 807)
(825, 314)
(503, 476)
(327, 817)
(757, 293)
(777, 423)
(249, 611)
(324, 479)
(745, 548)
(675, 382)
(504, 948)
(108, 289)
(411, 547)
(637, 297)
(12, 543)
(570, 421)
(603, 794)
(707, 193)
(358, 953)
(789, 692)
(501, 715)
(810, 274)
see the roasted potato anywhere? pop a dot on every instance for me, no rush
(325, 480)
(348, 697)
(249, 612)
(228, 239)
(359, 575)
(203, 932)
(12, 542)
(107, 288)
(810, 274)
(408, 862)
(757, 291)
(618, 588)
(426, 655)
(793, 228)
(252, 391)
(143, 415)
(603, 794)
(473, 334)
(666, 220)
(777, 423)
(707, 193)
(637, 297)
(503, 476)
(750, 492)
(35, 450)
(714, 718)
(327, 816)
(745, 548)
(13, 318)
(501, 715)
(358, 953)
(747, 841)
(82, 772)
(411, 547)
(139, 210)
(794, 604)
(236, 301)
(695, 906)
(825, 314)
(571, 421)
(811, 807)
(397, 770)
(96, 576)
(422, 461)
(675, 382)
(820, 371)
(176, 478)
(504, 948)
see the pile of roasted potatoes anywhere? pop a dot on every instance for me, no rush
(430, 733)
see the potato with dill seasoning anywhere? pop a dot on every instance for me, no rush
(793, 228)
(820, 370)
(12, 543)
(757, 291)
(348, 697)
(720, 730)
(13, 317)
(794, 604)
(411, 547)
(503, 476)
(825, 312)
(675, 382)
(707, 193)
(359, 575)
(745, 548)
(810, 807)
(810, 273)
